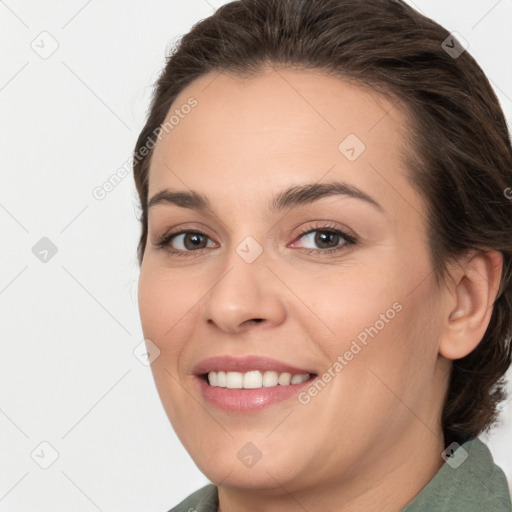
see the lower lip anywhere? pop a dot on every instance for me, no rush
(248, 400)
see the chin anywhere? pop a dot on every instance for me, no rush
(248, 466)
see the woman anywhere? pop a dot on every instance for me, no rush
(326, 259)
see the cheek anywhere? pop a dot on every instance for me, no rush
(400, 357)
(151, 302)
(164, 303)
(376, 318)
(347, 303)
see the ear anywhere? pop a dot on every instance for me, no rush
(475, 287)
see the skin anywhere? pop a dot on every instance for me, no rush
(372, 438)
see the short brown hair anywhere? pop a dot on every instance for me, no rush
(460, 157)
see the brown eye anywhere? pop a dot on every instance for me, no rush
(326, 239)
(322, 239)
(188, 241)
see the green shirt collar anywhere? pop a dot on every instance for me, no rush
(468, 481)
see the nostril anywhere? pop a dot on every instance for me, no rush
(255, 320)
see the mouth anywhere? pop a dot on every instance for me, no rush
(254, 379)
(250, 383)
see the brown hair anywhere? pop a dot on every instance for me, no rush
(460, 157)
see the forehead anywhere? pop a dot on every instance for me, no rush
(281, 127)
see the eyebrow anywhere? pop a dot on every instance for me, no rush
(289, 198)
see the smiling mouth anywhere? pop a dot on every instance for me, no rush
(255, 379)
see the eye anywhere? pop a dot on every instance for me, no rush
(324, 239)
(184, 242)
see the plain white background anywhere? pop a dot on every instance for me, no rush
(69, 326)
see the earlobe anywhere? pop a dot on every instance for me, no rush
(469, 313)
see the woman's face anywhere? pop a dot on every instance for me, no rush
(270, 172)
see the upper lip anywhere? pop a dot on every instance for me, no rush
(244, 364)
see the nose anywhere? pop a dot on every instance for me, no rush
(244, 295)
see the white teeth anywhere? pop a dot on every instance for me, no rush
(270, 378)
(234, 380)
(221, 379)
(212, 378)
(297, 379)
(254, 379)
(285, 379)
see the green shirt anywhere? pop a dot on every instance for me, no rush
(472, 484)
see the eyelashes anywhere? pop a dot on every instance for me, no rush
(194, 237)
(331, 231)
(194, 242)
